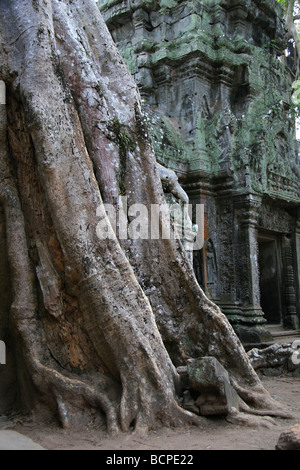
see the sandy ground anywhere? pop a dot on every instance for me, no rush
(212, 434)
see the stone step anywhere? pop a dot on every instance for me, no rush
(281, 335)
(276, 329)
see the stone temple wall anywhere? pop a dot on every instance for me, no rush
(218, 103)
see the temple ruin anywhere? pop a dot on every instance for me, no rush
(217, 98)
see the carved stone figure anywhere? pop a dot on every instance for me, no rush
(170, 180)
(181, 217)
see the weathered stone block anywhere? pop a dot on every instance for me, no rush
(289, 439)
(208, 376)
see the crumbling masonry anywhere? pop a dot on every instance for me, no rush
(218, 102)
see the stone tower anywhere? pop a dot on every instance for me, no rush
(218, 104)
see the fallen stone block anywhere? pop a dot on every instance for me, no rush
(216, 395)
(273, 356)
(289, 439)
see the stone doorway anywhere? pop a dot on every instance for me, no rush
(270, 282)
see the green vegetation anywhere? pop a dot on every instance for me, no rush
(125, 144)
(123, 140)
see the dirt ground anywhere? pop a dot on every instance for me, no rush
(212, 434)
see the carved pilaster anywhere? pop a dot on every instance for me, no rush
(290, 318)
(251, 321)
(224, 253)
(248, 227)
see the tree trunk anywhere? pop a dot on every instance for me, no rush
(98, 326)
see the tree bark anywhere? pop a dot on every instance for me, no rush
(98, 325)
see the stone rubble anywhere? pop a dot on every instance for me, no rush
(209, 391)
(289, 439)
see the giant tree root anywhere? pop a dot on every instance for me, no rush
(84, 329)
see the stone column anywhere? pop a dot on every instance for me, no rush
(250, 326)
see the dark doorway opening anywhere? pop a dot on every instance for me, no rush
(198, 262)
(270, 278)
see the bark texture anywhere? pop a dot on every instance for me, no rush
(98, 327)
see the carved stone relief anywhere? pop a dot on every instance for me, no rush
(275, 219)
